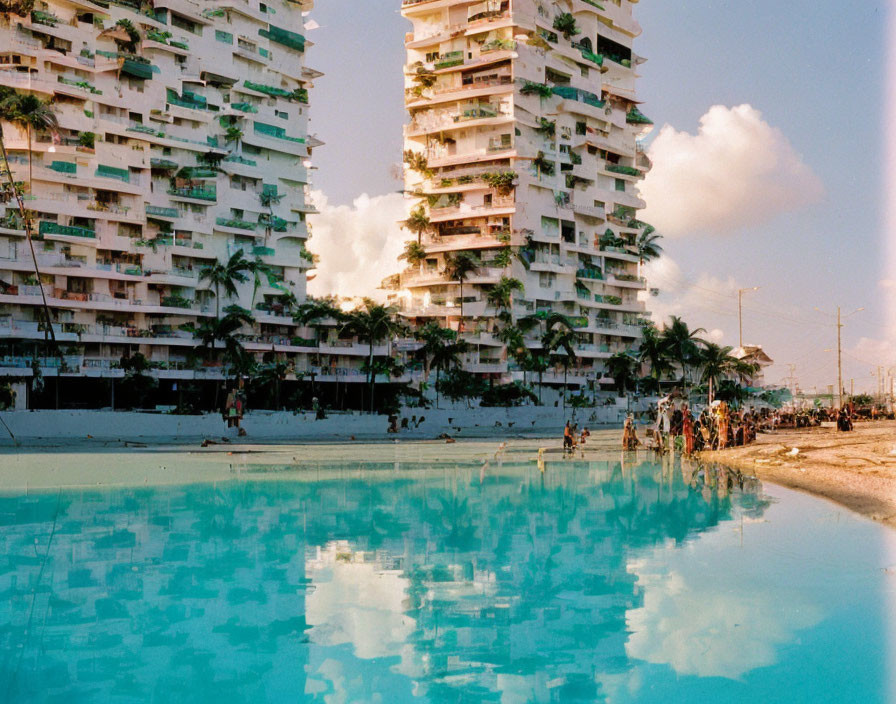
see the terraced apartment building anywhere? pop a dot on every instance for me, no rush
(183, 138)
(523, 149)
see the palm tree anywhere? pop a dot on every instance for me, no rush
(270, 376)
(682, 344)
(372, 322)
(458, 267)
(258, 269)
(501, 294)
(226, 276)
(233, 135)
(559, 343)
(648, 246)
(224, 333)
(418, 222)
(32, 114)
(621, 368)
(414, 253)
(12, 109)
(653, 353)
(441, 349)
(717, 363)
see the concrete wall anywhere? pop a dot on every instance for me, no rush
(53, 427)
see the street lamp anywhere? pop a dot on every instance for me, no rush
(740, 312)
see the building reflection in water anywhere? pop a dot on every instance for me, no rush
(447, 583)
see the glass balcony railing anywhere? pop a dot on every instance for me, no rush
(197, 193)
(51, 228)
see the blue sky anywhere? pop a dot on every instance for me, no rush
(816, 72)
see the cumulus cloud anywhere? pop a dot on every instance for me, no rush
(358, 244)
(737, 171)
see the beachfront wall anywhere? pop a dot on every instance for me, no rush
(523, 149)
(102, 426)
(183, 139)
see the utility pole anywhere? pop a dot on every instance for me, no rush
(840, 352)
(839, 362)
(740, 312)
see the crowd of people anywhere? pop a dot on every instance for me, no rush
(674, 426)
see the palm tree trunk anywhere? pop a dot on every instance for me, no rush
(438, 368)
(30, 162)
(460, 327)
(217, 302)
(565, 371)
(371, 374)
(27, 224)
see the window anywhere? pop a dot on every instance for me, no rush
(620, 184)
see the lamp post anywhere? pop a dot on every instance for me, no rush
(740, 312)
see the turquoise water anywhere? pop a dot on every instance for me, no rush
(592, 582)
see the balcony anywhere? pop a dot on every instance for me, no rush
(51, 228)
(194, 193)
(235, 223)
(161, 212)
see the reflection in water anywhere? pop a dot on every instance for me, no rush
(450, 584)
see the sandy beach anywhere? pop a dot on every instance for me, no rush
(856, 469)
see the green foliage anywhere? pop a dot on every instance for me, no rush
(565, 23)
(546, 127)
(501, 181)
(543, 165)
(414, 253)
(7, 396)
(460, 385)
(417, 162)
(20, 8)
(130, 44)
(87, 140)
(540, 89)
(505, 395)
(136, 388)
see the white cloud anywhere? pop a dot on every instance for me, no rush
(700, 303)
(737, 171)
(358, 244)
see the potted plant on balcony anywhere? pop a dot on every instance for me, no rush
(565, 23)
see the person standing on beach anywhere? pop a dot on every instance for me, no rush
(567, 438)
(687, 429)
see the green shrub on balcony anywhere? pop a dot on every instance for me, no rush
(627, 170)
(235, 223)
(540, 89)
(194, 192)
(267, 90)
(80, 84)
(636, 117)
(175, 301)
(452, 58)
(47, 18)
